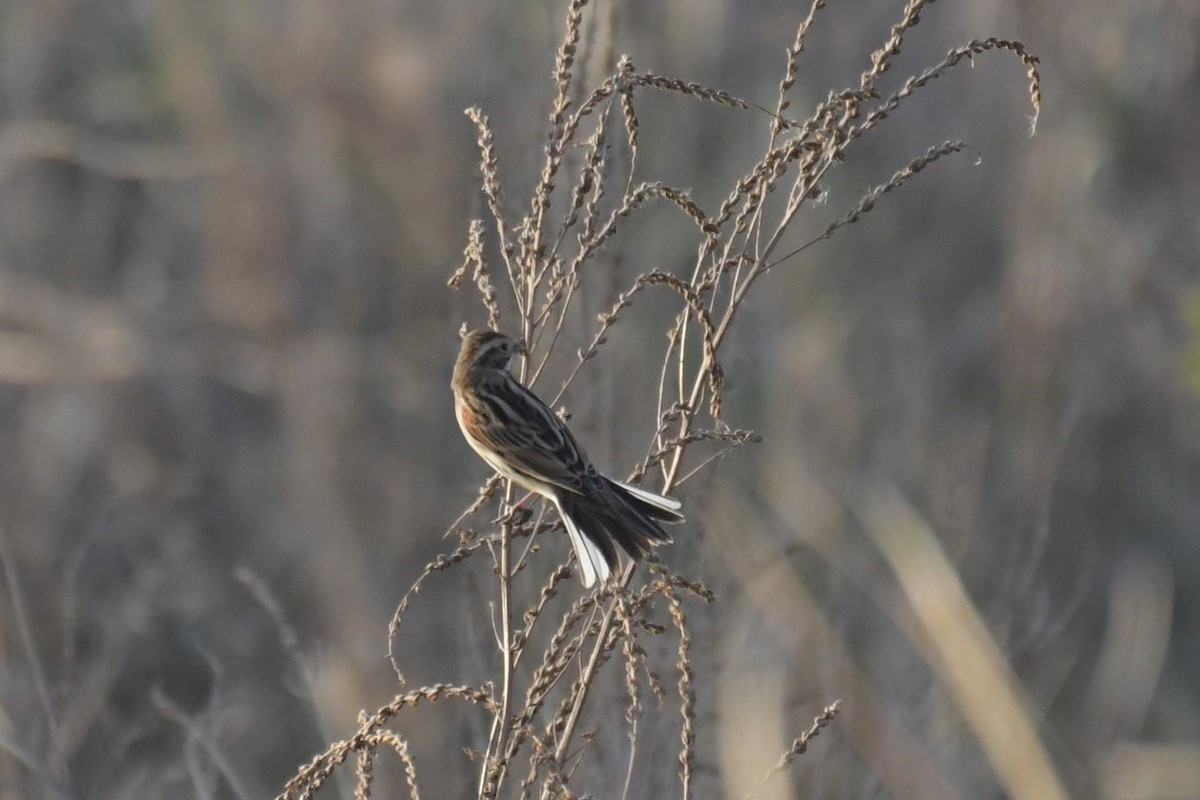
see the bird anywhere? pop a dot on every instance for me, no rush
(523, 440)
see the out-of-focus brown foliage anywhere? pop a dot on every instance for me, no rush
(225, 342)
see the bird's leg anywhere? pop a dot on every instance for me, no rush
(516, 514)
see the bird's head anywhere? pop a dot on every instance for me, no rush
(485, 349)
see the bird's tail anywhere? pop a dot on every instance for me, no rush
(618, 515)
(655, 506)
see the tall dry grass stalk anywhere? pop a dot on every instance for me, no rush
(553, 644)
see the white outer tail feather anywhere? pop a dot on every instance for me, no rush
(591, 561)
(656, 500)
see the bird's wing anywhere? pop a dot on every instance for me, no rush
(518, 426)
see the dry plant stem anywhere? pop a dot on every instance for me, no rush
(171, 711)
(485, 494)
(366, 771)
(498, 739)
(605, 639)
(545, 267)
(867, 203)
(555, 780)
(558, 655)
(713, 338)
(590, 668)
(808, 180)
(799, 745)
(632, 688)
(602, 644)
(687, 696)
(591, 180)
(313, 775)
(439, 564)
(368, 755)
(533, 615)
(762, 257)
(703, 465)
(665, 415)
(761, 263)
(506, 616)
(491, 189)
(58, 764)
(537, 525)
(792, 66)
(585, 355)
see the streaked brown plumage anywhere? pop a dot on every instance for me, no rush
(514, 432)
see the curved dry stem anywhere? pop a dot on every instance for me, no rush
(799, 745)
(439, 564)
(312, 776)
(489, 167)
(792, 66)
(867, 204)
(716, 375)
(953, 59)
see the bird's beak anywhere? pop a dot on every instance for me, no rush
(521, 349)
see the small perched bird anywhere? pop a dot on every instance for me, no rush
(522, 439)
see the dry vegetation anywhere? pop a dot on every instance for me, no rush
(553, 645)
(959, 561)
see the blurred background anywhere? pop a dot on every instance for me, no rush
(228, 445)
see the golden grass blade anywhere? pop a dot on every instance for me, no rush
(956, 643)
